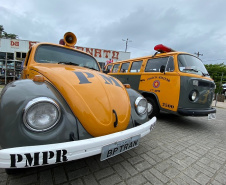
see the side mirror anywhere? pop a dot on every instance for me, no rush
(162, 69)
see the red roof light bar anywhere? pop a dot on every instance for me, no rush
(162, 49)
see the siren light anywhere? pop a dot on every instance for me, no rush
(162, 49)
(69, 39)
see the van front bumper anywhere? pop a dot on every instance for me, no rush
(40, 155)
(196, 112)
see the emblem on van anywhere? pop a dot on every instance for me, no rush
(156, 83)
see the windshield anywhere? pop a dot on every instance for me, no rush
(191, 64)
(55, 54)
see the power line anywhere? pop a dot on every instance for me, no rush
(198, 54)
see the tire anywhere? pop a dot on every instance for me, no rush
(153, 108)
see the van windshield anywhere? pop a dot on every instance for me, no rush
(54, 54)
(191, 64)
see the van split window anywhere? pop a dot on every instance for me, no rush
(136, 66)
(124, 67)
(154, 65)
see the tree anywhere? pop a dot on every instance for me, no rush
(3, 34)
(218, 74)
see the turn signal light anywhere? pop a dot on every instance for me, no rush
(127, 86)
(38, 78)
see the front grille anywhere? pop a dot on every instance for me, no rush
(206, 84)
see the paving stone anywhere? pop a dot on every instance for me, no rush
(90, 179)
(76, 182)
(59, 175)
(221, 178)
(135, 160)
(104, 173)
(148, 159)
(3, 177)
(191, 172)
(187, 179)
(202, 178)
(171, 172)
(162, 166)
(136, 180)
(46, 177)
(151, 178)
(132, 171)
(78, 173)
(142, 166)
(31, 179)
(159, 175)
(113, 179)
(121, 171)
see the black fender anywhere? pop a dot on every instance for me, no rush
(13, 132)
(137, 119)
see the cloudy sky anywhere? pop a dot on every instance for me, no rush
(184, 25)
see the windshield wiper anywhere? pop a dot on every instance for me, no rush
(91, 68)
(68, 63)
(191, 69)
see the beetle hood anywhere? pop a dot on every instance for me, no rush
(100, 102)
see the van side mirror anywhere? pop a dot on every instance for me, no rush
(162, 69)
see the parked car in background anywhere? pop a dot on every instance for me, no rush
(64, 108)
(224, 89)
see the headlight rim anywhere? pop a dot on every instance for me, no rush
(138, 99)
(32, 103)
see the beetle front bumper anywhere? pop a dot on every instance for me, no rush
(40, 155)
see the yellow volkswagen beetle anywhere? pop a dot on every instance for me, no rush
(64, 108)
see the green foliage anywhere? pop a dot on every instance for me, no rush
(218, 74)
(6, 35)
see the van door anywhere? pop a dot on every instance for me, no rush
(164, 85)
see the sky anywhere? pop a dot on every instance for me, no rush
(185, 25)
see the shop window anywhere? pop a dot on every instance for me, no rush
(18, 54)
(24, 55)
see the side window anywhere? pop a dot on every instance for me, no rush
(154, 65)
(170, 65)
(27, 57)
(136, 66)
(115, 68)
(109, 67)
(124, 68)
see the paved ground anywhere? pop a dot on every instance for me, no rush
(180, 150)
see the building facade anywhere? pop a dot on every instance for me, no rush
(13, 52)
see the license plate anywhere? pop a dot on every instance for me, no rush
(211, 116)
(119, 147)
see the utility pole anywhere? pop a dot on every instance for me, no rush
(127, 40)
(199, 54)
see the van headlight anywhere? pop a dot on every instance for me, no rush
(193, 95)
(41, 114)
(141, 105)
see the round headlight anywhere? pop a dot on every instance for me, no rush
(193, 95)
(141, 105)
(41, 114)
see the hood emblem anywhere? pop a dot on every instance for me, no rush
(116, 119)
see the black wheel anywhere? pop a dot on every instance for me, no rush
(153, 108)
